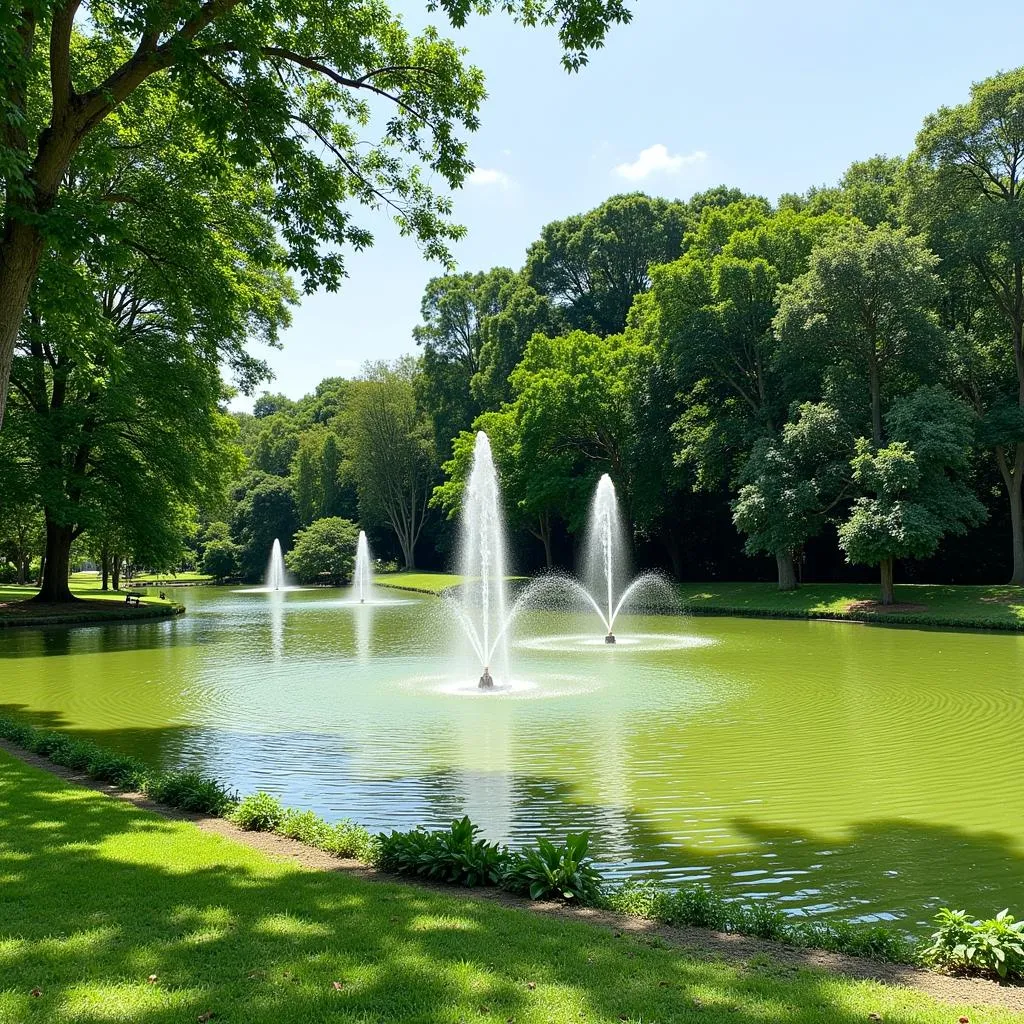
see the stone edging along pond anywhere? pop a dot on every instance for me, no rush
(208, 804)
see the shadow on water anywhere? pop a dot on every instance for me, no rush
(105, 638)
(266, 941)
(897, 870)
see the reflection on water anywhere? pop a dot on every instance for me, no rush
(860, 771)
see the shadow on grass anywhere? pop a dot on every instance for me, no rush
(98, 897)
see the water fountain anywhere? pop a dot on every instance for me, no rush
(606, 563)
(362, 575)
(275, 579)
(481, 606)
(605, 569)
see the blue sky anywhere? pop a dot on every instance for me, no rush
(769, 97)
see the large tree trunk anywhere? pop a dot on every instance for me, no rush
(57, 559)
(20, 252)
(115, 571)
(786, 569)
(888, 590)
(105, 568)
(1013, 477)
(408, 551)
(1013, 489)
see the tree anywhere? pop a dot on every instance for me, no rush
(866, 306)
(286, 91)
(791, 482)
(21, 535)
(714, 309)
(454, 310)
(265, 512)
(392, 452)
(522, 313)
(592, 265)
(324, 552)
(967, 190)
(116, 379)
(916, 485)
(306, 477)
(220, 559)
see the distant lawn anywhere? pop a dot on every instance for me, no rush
(425, 582)
(109, 913)
(993, 607)
(93, 604)
(989, 607)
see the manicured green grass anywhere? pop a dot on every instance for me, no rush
(93, 605)
(98, 897)
(424, 582)
(990, 607)
(172, 577)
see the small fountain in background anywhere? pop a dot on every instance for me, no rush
(606, 564)
(481, 606)
(275, 568)
(362, 576)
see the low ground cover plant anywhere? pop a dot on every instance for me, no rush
(964, 946)
(458, 855)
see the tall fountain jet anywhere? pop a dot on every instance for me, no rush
(362, 576)
(275, 568)
(481, 605)
(606, 563)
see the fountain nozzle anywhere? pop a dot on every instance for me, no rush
(610, 638)
(362, 600)
(486, 680)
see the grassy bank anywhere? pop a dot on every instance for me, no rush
(986, 607)
(112, 913)
(90, 605)
(976, 607)
(419, 582)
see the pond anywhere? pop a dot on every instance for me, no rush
(862, 772)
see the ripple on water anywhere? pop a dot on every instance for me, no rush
(640, 642)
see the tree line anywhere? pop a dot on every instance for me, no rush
(832, 379)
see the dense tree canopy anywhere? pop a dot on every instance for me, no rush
(285, 92)
(810, 380)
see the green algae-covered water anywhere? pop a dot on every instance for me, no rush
(862, 772)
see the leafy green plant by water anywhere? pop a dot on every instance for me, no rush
(555, 872)
(963, 945)
(259, 812)
(457, 856)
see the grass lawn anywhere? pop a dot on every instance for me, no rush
(110, 913)
(92, 604)
(994, 607)
(425, 582)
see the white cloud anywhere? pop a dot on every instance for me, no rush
(490, 176)
(656, 159)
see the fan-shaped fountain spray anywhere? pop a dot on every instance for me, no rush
(362, 576)
(607, 560)
(481, 604)
(275, 568)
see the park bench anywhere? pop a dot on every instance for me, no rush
(132, 599)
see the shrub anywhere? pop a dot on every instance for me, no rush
(873, 942)
(555, 872)
(456, 856)
(697, 906)
(305, 826)
(189, 791)
(762, 919)
(995, 946)
(347, 839)
(260, 812)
